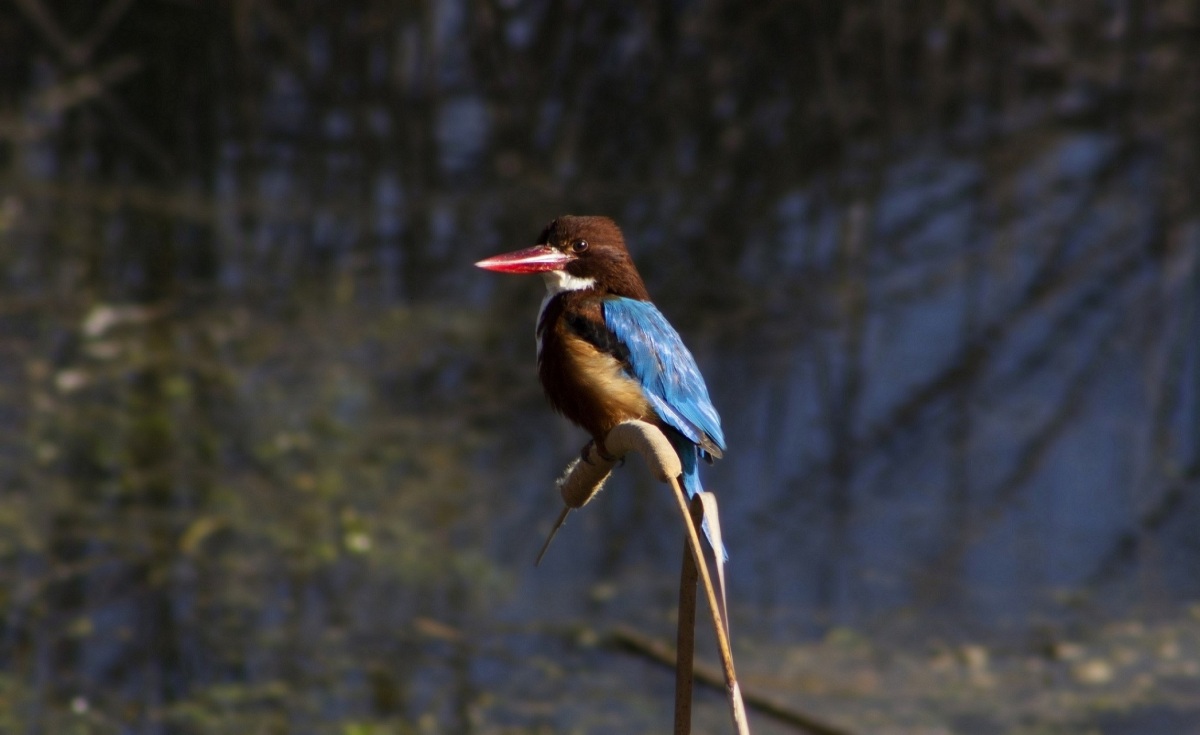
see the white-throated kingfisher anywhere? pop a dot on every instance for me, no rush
(605, 354)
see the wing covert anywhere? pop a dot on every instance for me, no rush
(666, 370)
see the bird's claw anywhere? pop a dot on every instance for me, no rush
(600, 450)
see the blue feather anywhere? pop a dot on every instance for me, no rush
(672, 383)
(665, 369)
(688, 453)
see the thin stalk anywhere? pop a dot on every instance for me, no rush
(736, 706)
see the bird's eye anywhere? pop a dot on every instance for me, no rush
(579, 246)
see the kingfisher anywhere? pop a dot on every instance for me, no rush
(605, 353)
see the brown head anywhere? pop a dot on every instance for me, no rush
(584, 252)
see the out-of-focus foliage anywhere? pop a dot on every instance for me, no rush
(227, 505)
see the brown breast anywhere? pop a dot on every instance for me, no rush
(583, 383)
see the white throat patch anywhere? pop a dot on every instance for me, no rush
(557, 282)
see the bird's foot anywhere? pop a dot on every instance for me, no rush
(600, 450)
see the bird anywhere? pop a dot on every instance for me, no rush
(605, 353)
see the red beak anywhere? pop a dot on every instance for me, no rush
(530, 260)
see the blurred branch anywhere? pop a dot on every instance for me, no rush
(64, 96)
(647, 647)
(75, 52)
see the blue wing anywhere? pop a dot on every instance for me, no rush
(666, 371)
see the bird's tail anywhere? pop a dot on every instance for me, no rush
(688, 458)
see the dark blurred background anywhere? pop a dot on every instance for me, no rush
(274, 458)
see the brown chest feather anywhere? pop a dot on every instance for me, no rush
(584, 383)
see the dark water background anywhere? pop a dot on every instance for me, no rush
(274, 458)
